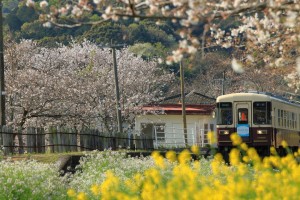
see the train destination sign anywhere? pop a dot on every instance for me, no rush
(243, 130)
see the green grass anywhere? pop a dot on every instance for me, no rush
(42, 157)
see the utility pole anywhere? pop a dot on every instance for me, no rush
(223, 83)
(183, 104)
(118, 106)
(2, 89)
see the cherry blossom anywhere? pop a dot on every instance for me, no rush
(268, 30)
(261, 22)
(74, 85)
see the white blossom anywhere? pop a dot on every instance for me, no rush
(47, 24)
(291, 19)
(30, 3)
(236, 3)
(298, 65)
(237, 66)
(192, 50)
(234, 32)
(75, 80)
(76, 11)
(279, 62)
(97, 1)
(43, 4)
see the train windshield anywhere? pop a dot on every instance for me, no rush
(224, 113)
(262, 113)
(242, 116)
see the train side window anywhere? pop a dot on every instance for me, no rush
(224, 113)
(262, 113)
(242, 116)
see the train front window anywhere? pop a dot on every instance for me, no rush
(262, 113)
(242, 116)
(224, 113)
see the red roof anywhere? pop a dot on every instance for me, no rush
(177, 108)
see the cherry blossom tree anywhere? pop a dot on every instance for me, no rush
(266, 30)
(216, 76)
(73, 85)
(263, 22)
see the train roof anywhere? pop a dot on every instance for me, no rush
(256, 95)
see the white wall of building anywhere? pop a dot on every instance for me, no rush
(172, 126)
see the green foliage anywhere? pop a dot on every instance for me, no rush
(149, 51)
(147, 31)
(54, 41)
(26, 14)
(18, 16)
(104, 34)
(13, 22)
(9, 5)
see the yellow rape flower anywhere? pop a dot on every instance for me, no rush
(171, 156)
(284, 144)
(216, 164)
(154, 175)
(219, 158)
(195, 149)
(234, 157)
(246, 159)
(71, 193)
(211, 137)
(273, 151)
(242, 170)
(158, 159)
(252, 154)
(184, 156)
(236, 139)
(81, 196)
(244, 146)
(96, 189)
(296, 154)
(110, 184)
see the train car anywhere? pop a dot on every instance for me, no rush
(262, 120)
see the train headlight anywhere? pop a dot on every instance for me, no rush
(223, 132)
(262, 132)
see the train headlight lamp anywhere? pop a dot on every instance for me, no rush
(262, 132)
(223, 132)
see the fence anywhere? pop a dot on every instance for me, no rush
(62, 139)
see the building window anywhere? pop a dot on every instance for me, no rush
(159, 132)
(284, 119)
(205, 140)
(154, 130)
(279, 117)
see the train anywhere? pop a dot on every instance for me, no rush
(262, 120)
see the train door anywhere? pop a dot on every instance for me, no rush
(243, 119)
